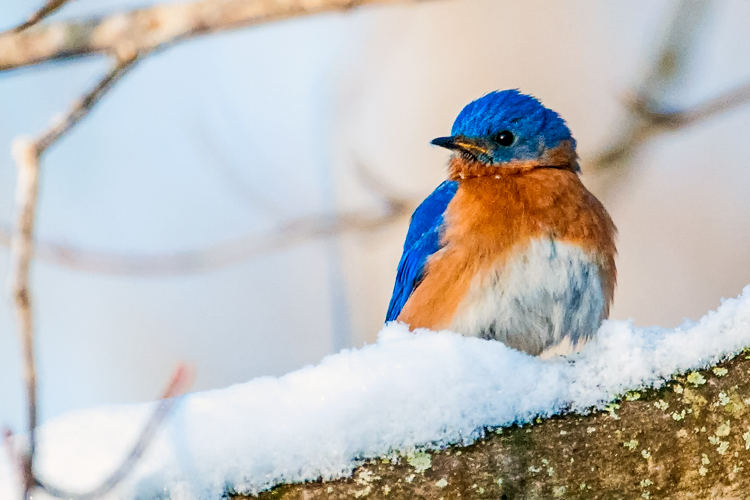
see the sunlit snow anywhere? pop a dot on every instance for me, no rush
(406, 391)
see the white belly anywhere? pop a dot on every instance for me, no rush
(549, 294)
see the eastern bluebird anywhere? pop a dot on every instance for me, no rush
(512, 246)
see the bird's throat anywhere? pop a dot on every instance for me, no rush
(562, 157)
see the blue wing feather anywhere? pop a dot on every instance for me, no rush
(422, 240)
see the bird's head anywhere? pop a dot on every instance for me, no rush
(510, 129)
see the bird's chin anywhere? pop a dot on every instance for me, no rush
(467, 166)
(468, 156)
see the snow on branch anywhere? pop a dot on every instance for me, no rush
(145, 30)
(688, 439)
(403, 398)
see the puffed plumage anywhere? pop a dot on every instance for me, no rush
(512, 246)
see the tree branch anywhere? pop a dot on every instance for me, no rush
(647, 121)
(47, 9)
(27, 188)
(689, 439)
(27, 153)
(668, 68)
(224, 254)
(83, 106)
(145, 30)
(722, 103)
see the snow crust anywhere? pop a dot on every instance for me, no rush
(407, 391)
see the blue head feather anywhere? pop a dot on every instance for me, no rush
(535, 128)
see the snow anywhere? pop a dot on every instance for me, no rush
(408, 391)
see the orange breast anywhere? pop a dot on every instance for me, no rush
(491, 216)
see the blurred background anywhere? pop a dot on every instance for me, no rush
(240, 133)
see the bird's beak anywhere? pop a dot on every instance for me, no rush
(476, 147)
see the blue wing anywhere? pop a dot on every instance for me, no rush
(422, 240)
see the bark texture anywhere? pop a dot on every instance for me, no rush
(687, 440)
(145, 30)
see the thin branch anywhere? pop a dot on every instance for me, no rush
(145, 30)
(128, 36)
(294, 232)
(83, 106)
(673, 60)
(722, 103)
(50, 7)
(224, 254)
(27, 188)
(27, 153)
(650, 122)
(649, 114)
(177, 386)
(669, 67)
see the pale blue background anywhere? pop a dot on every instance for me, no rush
(290, 108)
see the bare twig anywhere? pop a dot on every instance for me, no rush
(83, 106)
(647, 122)
(294, 232)
(669, 67)
(27, 159)
(178, 384)
(129, 36)
(225, 254)
(722, 103)
(145, 30)
(50, 7)
(27, 153)
(649, 115)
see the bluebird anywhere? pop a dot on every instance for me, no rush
(512, 247)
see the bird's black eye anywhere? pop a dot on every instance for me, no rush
(504, 138)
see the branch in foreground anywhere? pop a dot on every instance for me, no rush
(145, 30)
(690, 439)
(178, 384)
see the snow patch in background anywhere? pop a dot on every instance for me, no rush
(406, 391)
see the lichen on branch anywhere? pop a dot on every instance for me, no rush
(689, 439)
